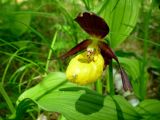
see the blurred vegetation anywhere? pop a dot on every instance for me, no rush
(32, 29)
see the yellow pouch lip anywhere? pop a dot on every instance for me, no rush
(82, 71)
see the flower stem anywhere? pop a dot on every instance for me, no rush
(99, 86)
(110, 80)
(143, 82)
(7, 99)
(50, 51)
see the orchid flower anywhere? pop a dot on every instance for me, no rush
(88, 66)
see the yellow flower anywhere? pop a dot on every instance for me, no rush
(85, 68)
(88, 67)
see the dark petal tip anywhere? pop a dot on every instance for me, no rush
(93, 24)
(126, 83)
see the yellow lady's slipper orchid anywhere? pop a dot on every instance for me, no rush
(83, 70)
(88, 67)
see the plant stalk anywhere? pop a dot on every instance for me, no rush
(110, 82)
(99, 86)
(143, 82)
(50, 51)
(7, 99)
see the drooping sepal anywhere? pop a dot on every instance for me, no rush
(125, 81)
(81, 46)
(93, 24)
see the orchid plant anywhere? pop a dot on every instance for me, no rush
(88, 66)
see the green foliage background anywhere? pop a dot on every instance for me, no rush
(34, 33)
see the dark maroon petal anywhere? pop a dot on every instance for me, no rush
(81, 46)
(108, 55)
(93, 24)
(106, 52)
(126, 83)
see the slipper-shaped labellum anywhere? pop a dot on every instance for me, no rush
(83, 69)
(88, 66)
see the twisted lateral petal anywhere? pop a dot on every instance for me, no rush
(107, 52)
(81, 46)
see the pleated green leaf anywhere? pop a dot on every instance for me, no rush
(20, 23)
(21, 110)
(149, 109)
(52, 82)
(121, 16)
(87, 106)
(55, 94)
(132, 66)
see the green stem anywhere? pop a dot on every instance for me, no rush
(110, 82)
(7, 99)
(143, 81)
(87, 4)
(32, 115)
(21, 80)
(99, 86)
(50, 51)
(9, 63)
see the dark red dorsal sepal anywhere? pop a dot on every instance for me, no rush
(93, 24)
